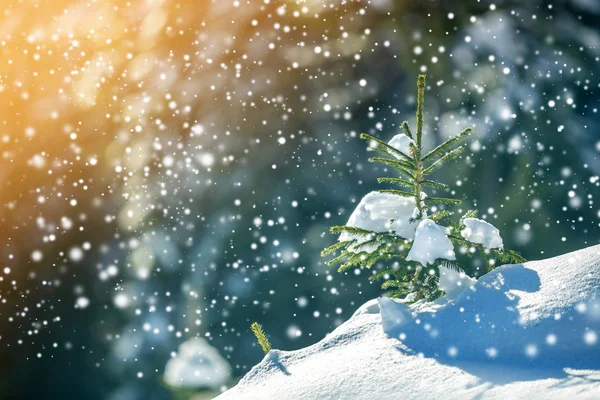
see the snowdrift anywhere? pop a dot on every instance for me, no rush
(526, 331)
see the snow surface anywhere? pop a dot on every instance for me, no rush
(454, 282)
(197, 365)
(382, 212)
(526, 331)
(430, 244)
(482, 232)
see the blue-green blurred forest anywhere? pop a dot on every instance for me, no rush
(169, 169)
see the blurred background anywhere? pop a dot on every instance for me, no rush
(169, 169)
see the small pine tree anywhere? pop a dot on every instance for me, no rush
(405, 277)
(261, 337)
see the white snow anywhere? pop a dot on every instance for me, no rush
(382, 212)
(482, 232)
(527, 331)
(402, 143)
(430, 244)
(454, 282)
(197, 365)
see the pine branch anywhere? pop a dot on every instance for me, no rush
(335, 247)
(364, 259)
(447, 145)
(458, 240)
(384, 273)
(396, 294)
(471, 214)
(364, 245)
(455, 226)
(407, 165)
(397, 181)
(261, 337)
(406, 129)
(394, 284)
(461, 222)
(407, 173)
(508, 256)
(434, 185)
(420, 102)
(439, 215)
(516, 257)
(453, 155)
(400, 193)
(352, 230)
(385, 148)
(453, 265)
(338, 259)
(441, 200)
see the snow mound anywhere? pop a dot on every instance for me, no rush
(454, 282)
(382, 212)
(482, 232)
(402, 143)
(538, 313)
(197, 365)
(430, 244)
(526, 331)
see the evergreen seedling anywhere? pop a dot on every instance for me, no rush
(261, 337)
(402, 277)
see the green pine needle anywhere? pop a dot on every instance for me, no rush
(446, 146)
(397, 181)
(439, 215)
(468, 214)
(261, 337)
(400, 193)
(406, 129)
(451, 156)
(434, 185)
(420, 102)
(441, 200)
(453, 265)
(351, 230)
(405, 165)
(384, 148)
(335, 247)
(394, 284)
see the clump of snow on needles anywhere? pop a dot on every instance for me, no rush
(526, 331)
(402, 143)
(482, 232)
(382, 212)
(430, 244)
